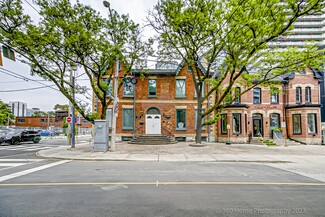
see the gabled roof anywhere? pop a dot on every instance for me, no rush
(317, 73)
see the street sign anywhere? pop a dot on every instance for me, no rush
(69, 119)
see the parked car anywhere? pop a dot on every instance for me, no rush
(46, 133)
(14, 137)
(30, 136)
(11, 137)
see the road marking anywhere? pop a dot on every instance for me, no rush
(25, 172)
(20, 160)
(11, 164)
(166, 183)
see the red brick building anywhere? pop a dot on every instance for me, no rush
(165, 103)
(44, 122)
(295, 109)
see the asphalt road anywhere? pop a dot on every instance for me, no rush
(83, 188)
(27, 150)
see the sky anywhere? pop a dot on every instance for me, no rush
(16, 75)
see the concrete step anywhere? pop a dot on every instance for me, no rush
(153, 140)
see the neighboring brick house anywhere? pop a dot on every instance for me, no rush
(296, 109)
(44, 122)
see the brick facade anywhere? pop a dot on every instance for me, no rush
(254, 118)
(265, 112)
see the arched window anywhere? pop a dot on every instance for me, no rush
(153, 111)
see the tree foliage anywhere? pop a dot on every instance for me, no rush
(70, 37)
(42, 114)
(61, 107)
(5, 112)
(230, 39)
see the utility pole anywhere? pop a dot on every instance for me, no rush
(73, 141)
(115, 106)
(134, 106)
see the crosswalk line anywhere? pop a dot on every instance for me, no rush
(25, 172)
(20, 160)
(11, 164)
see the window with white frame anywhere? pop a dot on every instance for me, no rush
(180, 118)
(180, 88)
(236, 123)
(312, 123)
(128, 89)
(127, 119)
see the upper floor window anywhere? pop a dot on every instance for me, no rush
(308, 95)
(257, 95)
(42, 120)
(7, 52)
(274, 98)
(152, 88)
(298, 95)
(128, 89)
(237, 95)
(189, 69)
(21, 120)
(180, 88)
(110, 86)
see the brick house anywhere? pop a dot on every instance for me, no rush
(44, 122)
(164, 102)
(295, 109)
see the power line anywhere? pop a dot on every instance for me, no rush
(26, 89)
(32, 6)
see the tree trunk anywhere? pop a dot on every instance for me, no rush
(198, 137)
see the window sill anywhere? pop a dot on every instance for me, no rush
(127, 96)
(236, 134)
(180, 97)
(312, 134)
(296, 133)
(181, 129)
(152, 96)
(127, 128)
(274, 103)
(257, 103)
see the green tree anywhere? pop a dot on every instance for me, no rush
(43, 114)
(61, 107)
(5, 113)
(232, 36)
(74, 36)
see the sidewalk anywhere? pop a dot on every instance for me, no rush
(182, 152)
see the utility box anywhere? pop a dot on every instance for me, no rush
(100, 136)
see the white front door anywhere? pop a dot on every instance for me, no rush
(153, 124)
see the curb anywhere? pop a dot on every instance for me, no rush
(128, 160)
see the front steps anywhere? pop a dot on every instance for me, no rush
(153, 140)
